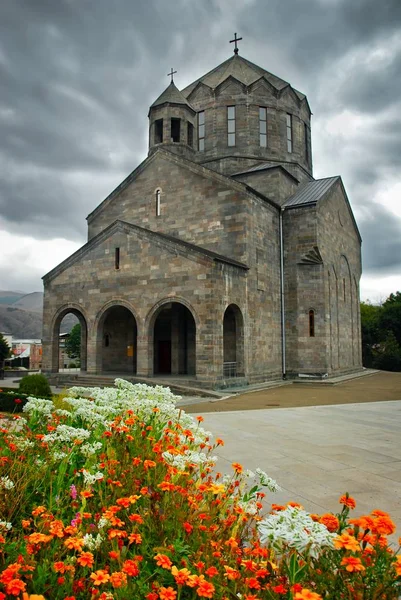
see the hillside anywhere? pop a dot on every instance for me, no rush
(20, 323)
(21, 315)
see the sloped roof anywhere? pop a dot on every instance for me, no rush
(311, 192)
(242, 69)
(117, 225)
(172, 95)
(264, 167)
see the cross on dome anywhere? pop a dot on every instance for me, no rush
(235, 40)
(171, 74)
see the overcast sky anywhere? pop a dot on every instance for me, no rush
(77, 78)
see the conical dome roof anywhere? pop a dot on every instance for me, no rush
(171, 95)
(242, 69)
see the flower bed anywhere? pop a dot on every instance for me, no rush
(113, 494)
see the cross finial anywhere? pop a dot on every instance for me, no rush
(235, 40)
(171, 74)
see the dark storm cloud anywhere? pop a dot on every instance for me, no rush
(382, 232)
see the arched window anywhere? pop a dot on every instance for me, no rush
(311, 323)
(157, 203)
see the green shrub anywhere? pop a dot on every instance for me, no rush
(12, 401)
(35, 385)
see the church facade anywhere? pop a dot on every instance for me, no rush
(220, 256)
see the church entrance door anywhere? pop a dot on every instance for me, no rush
(164, 356)
(118, 335)
(174, 340)
(233, 342)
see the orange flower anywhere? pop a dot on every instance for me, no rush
(74, 543)
(330, 521)
(85, 559)
(135, 538)
(32, 597)
(130, 567)
(114, 555)
(306, 594)
(163, 561)
(59, 567)
(205, 589)
(211, 572)
(167, 593)
(397, 565)
(383, 525)
(39, 538)
(231, 573)
(188, 527)
(15, 586)
(352, 564)
(118, 579)
(38, 511)
(100, 577)
(238, 468)
(347, 501)
(180, 575)
(200, 419)
(348, 542)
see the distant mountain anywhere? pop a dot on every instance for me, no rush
(21, 315)
(20, 323)
(10, 297)
(32, 302)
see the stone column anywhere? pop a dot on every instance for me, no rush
(144, 355)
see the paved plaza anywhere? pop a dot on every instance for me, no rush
(317, 453)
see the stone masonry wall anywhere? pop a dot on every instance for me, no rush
(341, 251)
(196, 206)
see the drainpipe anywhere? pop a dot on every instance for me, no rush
(282, 294)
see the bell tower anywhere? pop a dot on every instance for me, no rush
(172, 122)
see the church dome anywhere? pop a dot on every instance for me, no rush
(245, 114)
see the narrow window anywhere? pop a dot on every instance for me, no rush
(107, 340)
(263, 127)
(344, 287)
(175, 130)
(306, 137)
(190, 135)
(231, 125)
(201, 131)
(289, 133)
(311, 323)
(157, 203)
(159, 131)
(117, 258)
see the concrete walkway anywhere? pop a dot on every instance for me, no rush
(318, 453)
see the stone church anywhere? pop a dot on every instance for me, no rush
(220, 257)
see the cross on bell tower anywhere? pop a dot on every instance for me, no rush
(171, 74)
(235, 40)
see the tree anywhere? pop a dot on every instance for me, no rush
(390, 316)
(370, 331)
(73, 342)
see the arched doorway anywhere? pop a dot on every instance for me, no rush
(70, 334)
(233, 342)
(117, 340)
(174, 340)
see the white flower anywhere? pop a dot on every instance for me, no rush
(295, 528)
(91, 478)
(250, 474)
(5, 525)
(267, 481)
(6, 483)
(92, 542)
